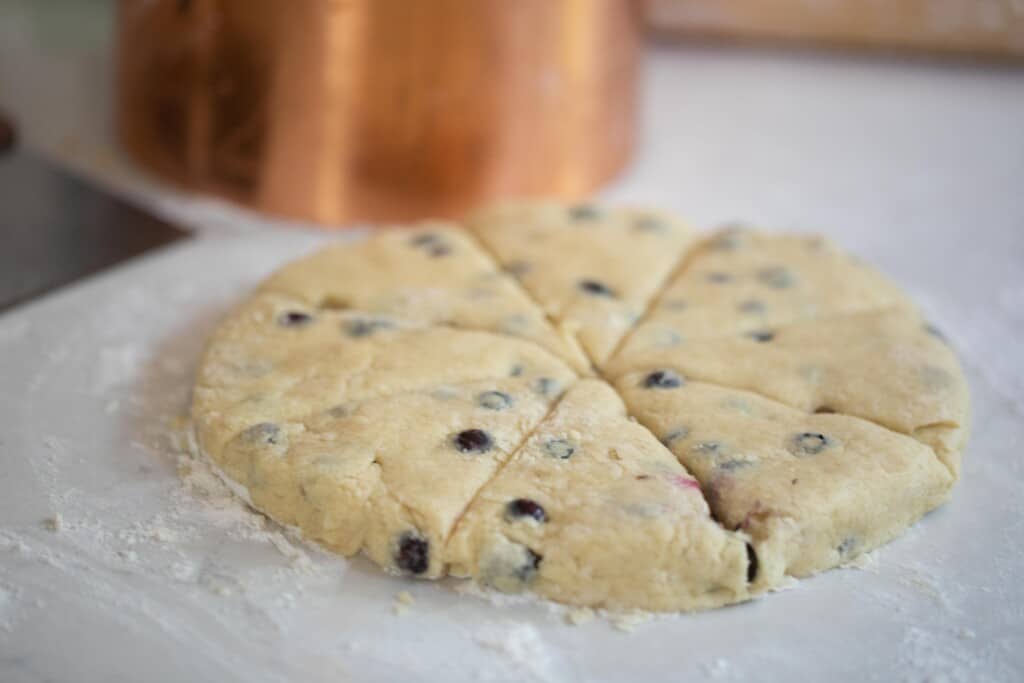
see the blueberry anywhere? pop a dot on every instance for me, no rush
(473, 441)
(494, 400)
(516, 370)
(718, 278)
(559, 448)
(808, 443)
(663, 379)
(732, 465)
(775, 277)
(264, 432)
(364, 328)
(508, 567)
(751, 564)
(294, 319)
(675, 435)
(751, 306)
(596, 288)
(545, 386)
(413, 554)
(584, 212)
(846, 546)
(761, 336)
(524, 507)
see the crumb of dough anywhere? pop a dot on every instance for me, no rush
(579, 616)
(628, 622)
(403, 601)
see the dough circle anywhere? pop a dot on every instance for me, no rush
(597, 405)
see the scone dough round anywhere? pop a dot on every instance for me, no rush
(596, 405)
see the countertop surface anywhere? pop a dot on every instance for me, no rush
(124, 559)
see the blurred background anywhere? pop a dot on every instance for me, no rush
(340, 111)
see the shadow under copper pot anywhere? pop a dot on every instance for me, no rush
(334, 111)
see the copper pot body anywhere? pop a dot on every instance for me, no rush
(337, 111)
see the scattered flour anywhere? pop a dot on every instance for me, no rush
(522, 647)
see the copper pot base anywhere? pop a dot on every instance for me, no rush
(343, 110)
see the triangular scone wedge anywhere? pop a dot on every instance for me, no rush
(744, 282)
(433, 274)
(275, 359)
(594, 511)
(593, 270)
(886, 367)
(812, 491)
(388, 476)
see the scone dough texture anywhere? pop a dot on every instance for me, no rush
(597, 405)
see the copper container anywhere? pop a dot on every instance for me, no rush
(343, 110)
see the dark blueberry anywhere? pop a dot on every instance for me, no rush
(473, 441)
(294, 319)
(413, 553)
(751, 564)
(808, 443)
(761, 336)
(648, 224)
(846, 545)
(559, 448)
(524, 507)
(264, 432)
(425, 239)
(439, 250)
(775, 277)
(528, 570)
(732, 465)
(545, 386)
(584, 212)
(364, 328)
(596, 288)
(751, 306)
(494, 400)
(935, 332)
(675, 435)
(518, 268)
(663, 379)
(718, 278)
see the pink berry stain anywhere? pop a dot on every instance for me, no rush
(685, 482)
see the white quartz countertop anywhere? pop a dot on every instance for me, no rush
(155, 572)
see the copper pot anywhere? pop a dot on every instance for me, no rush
(341, 110)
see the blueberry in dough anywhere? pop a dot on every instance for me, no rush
(473, 441)
(524, 507)
(663, 379)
